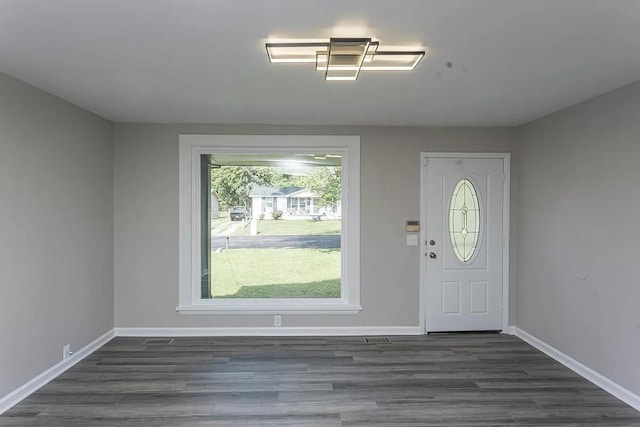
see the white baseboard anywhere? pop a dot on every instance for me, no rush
(268, 331)
(511, 330)
(600, 380)
(25, 390)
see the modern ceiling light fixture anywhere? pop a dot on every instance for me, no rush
(344, 58)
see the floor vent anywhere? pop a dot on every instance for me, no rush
(159, 341)
(377, 340)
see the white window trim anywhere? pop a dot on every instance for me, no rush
(190, 149)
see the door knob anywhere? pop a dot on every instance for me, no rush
(432, 255)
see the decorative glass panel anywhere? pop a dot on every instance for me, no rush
(464, 220)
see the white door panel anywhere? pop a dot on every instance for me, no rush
(464, 243)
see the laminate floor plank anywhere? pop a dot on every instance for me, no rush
(444, 380)
(255, 421)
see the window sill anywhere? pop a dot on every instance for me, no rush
(266, 308)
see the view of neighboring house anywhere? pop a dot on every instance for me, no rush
(215, 204)
(292, 201)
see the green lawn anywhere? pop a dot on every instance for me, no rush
(221, 226)
(276, 273)
(290, 227)
(269, 227)
(219, 221)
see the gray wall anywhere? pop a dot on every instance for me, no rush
(146, 221)
(578, 234)
(56, 230)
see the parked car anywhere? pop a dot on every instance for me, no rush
(238, 213)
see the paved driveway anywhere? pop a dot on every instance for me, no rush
(264, 242)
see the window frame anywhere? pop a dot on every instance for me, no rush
(190, 149)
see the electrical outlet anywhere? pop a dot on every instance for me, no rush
(277, 320)
(66, 352)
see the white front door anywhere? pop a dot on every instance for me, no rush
(462, 202)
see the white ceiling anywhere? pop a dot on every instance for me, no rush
(204, 60)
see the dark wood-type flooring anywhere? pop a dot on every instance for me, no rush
(441, 380)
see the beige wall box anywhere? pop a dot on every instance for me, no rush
(413, 226)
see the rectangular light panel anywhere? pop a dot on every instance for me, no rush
(294, 52)
(393, 61)
(345, 57)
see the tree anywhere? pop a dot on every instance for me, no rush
(326, 182)
(286, 180)
(233, 183)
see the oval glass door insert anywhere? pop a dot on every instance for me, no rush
(464, 220)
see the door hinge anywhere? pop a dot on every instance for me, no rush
(426, 161)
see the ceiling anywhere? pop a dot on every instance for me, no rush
(204, 61)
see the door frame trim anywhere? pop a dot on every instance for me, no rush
(506, 194)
